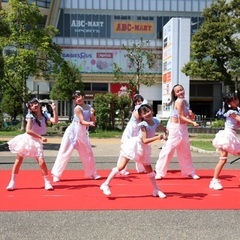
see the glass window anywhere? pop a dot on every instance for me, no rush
(124, 4)
(167, 5)
(67, 40)
(103, 4)
(159, 6)
(75, 4)
(81, 41)
(87, 86)
(110, 42)
(117, 4)
(103, 42)
(188, 6)
(110, 4)
(146, 5)
(88, 41)
(96, 4)
(139, 5)
(74, 41)
(100, 87)
(132, 5)
(66, 4)
(153, 5)
(174, 5)
(202, 5)
(195, 6)
(95, 41)
(81, 4)
(116, 42)
(181, 5)
(89, 4)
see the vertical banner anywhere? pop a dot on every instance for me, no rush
(176, 52)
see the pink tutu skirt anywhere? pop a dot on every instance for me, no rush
(227, 140)
(26, 146)
(136, 150)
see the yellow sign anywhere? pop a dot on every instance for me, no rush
(133, 27)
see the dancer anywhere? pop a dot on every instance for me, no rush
(76, 137)
(139, 149)
(30, 144)
(226, 141)
(132, 129)
(178, 138)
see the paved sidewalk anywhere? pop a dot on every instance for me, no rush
(101, 147)
(107, 147)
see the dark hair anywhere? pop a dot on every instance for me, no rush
(144, 109)
(33, 100)
(173, 96)
(227, 99)
(77, 93)
(136, 98)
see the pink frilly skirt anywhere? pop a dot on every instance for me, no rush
(26, 146)
(228, 141)
(136, 150)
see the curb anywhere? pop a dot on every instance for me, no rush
(199, 150)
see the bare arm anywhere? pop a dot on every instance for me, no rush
(93, 118)
(149, 140)
(31, 132)
(54, 119)
(78, 112)
(233, 115)
(179, 105)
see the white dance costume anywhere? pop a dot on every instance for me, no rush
(227, 139)
(135, 149)
(26, 145)
(76, 137)
(178, 139)
(131, 130)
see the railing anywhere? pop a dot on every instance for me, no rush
(203, 121)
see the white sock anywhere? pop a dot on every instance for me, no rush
(13, 177)
(153, 180)
(111, 175)
(45, 178)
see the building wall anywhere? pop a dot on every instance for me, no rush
(92, 33)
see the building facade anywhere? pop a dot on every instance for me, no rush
(92, 34)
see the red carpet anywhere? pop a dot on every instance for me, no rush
(75, 192)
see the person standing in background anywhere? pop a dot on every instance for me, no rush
(132, 129)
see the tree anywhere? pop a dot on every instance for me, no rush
(215, 47)
(28, 49)
(111, 110)
(142, 60)
(67, 81)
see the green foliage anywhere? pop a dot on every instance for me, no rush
(28, 50)
(67, 81)
(205, 145)
(218, 124)
(10, 104)
(108, 108)
(140, 59)
(215, 47)
(99, 133)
